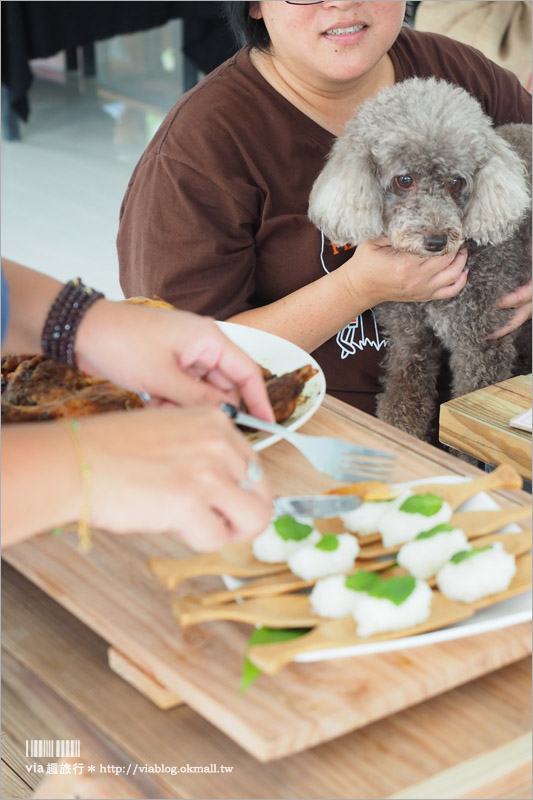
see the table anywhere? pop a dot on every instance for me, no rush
(465, 736)
(478, 424)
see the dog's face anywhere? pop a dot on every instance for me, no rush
(424, 202)
(422, 164)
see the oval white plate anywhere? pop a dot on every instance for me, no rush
(279, 356)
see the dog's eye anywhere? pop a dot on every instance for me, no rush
(404, 182)
(456, 184)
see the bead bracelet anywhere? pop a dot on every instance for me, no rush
(63, 320)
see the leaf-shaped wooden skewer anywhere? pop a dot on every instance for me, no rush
(517, 544)
(455, 494)
(281, 611)
(284, 582)
(234, 559)
(294, 611)
(473, 523)
(238, 559)
(520, 583)
(281, 583)
(343, 633)
(271, 658)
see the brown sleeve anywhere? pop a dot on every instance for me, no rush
(185, 238)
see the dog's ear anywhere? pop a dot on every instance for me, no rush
(500, 196)
(346, 201)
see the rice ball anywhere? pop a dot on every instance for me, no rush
(365, 519)
(416, 514)
(283, 537)
(430, 550)
(335, 597)
(393, 604)
(329, 556)
(476, 573)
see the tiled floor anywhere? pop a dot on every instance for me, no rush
(63, 182)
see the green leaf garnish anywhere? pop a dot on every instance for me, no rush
(264, 636)
(397, 590)
(289, 528)
(444, 527)
(328, 542)
(464, 554)
(426, 504)
(361, 581)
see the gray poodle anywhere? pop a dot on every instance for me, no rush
(422, 164)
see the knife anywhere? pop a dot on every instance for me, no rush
(316, 506)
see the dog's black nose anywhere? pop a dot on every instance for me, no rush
(435, 243)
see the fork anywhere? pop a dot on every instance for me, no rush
(340, 460)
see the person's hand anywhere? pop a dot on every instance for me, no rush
(173, 356)
(175, 470)
(385, 274)
(520, 300)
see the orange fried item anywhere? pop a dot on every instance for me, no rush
(368, 490)
(37, 388)
(284, 390)
(147, 301)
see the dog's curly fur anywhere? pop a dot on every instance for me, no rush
(422, 164)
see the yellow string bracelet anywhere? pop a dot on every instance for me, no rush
(84, 532)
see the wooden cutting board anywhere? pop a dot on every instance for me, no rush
(113, 592)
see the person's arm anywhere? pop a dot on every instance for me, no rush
(31, 295)
(38, 461)
(174, 356)
(150, 471)
(374, 274)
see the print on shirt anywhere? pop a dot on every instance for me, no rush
(354, 337)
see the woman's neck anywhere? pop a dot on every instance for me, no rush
(330, 107)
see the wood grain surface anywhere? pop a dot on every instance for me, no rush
(113, 592)
(57, 684)
(478, 424)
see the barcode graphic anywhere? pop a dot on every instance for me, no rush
(50, 748)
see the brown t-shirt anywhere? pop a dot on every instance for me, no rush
(214, 219)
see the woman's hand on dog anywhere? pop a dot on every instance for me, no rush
(386, 274)
(520, 300)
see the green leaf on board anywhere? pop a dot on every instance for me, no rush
(264, 636)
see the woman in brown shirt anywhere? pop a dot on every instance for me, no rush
(215, 216)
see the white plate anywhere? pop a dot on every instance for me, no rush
(279, 356)
(502, 615)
